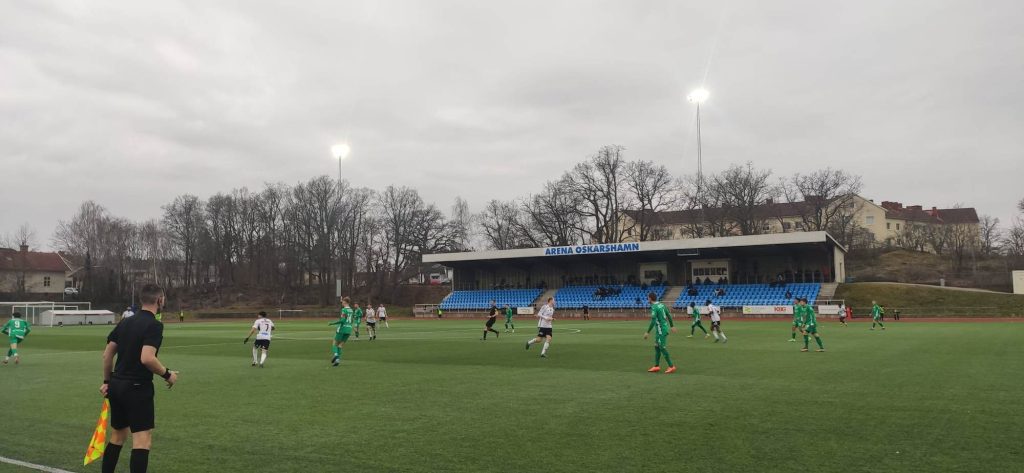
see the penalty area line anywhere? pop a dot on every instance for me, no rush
(32, 466)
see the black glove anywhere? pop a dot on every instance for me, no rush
(245, 341)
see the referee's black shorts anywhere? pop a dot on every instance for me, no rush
(131, 405)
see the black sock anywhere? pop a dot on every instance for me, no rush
(485, 335)
(140, 460)
(110, 457)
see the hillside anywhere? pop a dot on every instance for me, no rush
(897, 265)
(924, 301)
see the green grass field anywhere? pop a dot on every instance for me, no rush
(429, 396)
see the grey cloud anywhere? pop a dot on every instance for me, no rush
(132, 103)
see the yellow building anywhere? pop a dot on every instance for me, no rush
(884, 224)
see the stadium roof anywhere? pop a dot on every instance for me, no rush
(774, 239)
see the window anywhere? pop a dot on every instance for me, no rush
(897, 227)
(787, 226)
(869, 220)
(888, 226)
(46, 281)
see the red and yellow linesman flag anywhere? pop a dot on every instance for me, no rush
(99, 438)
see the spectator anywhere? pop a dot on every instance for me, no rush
(692, 291)
(789, 295)
(707, 281)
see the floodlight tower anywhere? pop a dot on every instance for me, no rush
(340, 151)
(698, 97)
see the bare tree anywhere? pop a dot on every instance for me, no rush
(962, 242)
(598, 185)
(25, 235)
(743, 191)
(499, 224)
(989, 235)
(184, 220)
(653, 190)
(913, 236)
(705, 205)
(80, 235)
(1013, 240)
(822, 197)
(551, 217)
(938, 237)
(411, 228)
(463, 224)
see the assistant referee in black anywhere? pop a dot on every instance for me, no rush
(129, 383)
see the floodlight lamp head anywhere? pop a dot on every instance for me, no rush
(340, 151)
(698, 96)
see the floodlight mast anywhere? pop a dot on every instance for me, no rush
(340, 151)
(698, 97)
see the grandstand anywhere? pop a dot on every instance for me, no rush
(469, 300)
(625, 297)
(752, 272)
(739, 295)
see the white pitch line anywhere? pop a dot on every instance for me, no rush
(33, 466)
(398, 338)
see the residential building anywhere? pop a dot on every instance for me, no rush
(881, 224)
(31, 272)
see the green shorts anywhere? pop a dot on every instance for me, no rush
(341, 337)
(811, 329)
(15, 339)
(661, 340)
(797, 324)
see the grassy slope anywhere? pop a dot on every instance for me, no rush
(929, 301)
(428, 396)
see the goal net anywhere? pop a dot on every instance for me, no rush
(33, 310)
(281, 313)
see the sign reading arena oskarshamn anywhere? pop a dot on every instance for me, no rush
(592, 249)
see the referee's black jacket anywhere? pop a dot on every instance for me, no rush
(131, 335)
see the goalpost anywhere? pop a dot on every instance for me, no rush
(282, 312)
(32, 310)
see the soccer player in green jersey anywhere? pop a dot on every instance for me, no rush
(508, 319)
(695, 313)
(876, 315)
(16, 330)
(357, 318)
(344, 330)
(661, 322)
(810, 326)
(798, 319)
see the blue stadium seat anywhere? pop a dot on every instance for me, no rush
(472, 300)
(575, 297)
(738, 295)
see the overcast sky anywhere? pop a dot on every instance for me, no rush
(131, 103)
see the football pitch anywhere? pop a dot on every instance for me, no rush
(428, 395)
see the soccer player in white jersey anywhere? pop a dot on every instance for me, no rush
(544, 318)
(263, 328)
(371, 322)
(383, 315)
(716, 322)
